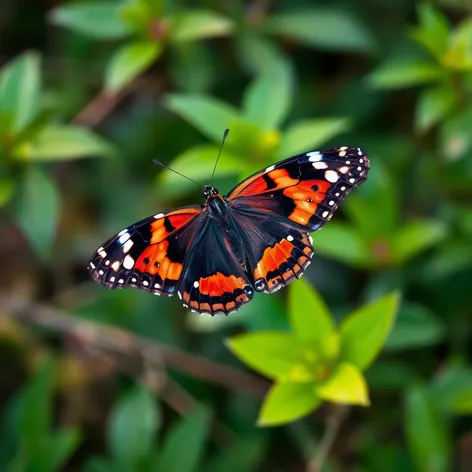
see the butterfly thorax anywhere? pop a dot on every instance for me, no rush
(216, 204)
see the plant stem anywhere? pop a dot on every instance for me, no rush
(333, 423)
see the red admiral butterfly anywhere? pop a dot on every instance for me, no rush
(253, 239)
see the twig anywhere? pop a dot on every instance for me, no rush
(333, 423)
(117, 340)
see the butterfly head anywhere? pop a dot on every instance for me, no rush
(209, 191)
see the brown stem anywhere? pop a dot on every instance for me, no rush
(109, 338)
(333, 423)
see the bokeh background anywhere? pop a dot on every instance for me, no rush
(92, 91)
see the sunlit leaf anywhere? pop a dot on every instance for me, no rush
(416, 236)
(433, 106)
(364, 332)
(426, 434)
(129, 61)
(344, 243)
(60, 143)
(268, 99)
(286, 402)
(320, 28)
(208, 115)
(58, 447)
(199, 24)
(20, 84)
(311, 320)
(345, 385)
(133, 425)
(309, 134)
(273, 354)
(402, 73)
(37, 209)
(415, 327)
(192, 430)
(99, 20)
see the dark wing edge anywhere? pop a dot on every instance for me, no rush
(306, 189)
(149, 254)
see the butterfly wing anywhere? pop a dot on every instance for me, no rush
(213, 280)
(149, 254)
(306, 189)
(277, 206)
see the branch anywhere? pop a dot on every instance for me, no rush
(118, 340)
(333, 423)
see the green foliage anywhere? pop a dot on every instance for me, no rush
(134, 80)
(316, 362)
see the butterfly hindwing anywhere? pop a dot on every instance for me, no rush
(213, 280)
(306, 189)
(149, 254)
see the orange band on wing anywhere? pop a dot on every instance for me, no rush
(258, 184)
(218, 284)
(273, 258)
(176, 219)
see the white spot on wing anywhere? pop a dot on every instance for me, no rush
(179, 294)
(343, 148)
(320, 165)
(100, 272)
(128, 262)
(124, 237)
(290, 238)
(314, 156)
(92, 265)
(127, 246)
(102, 253)
(310, 239)
(325, 214)
(331, 203)
(159, 215)
(145, 283)
(331, 176)
(121, 281)
(352, 180)
(116, 266)
(112, 279)
(344, 170)
(123, 231)
(107, 262)
(196, 284)
(270, 168)
(157, 286)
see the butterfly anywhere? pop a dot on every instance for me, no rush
(255, 239)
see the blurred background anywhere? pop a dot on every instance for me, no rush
(92, 91)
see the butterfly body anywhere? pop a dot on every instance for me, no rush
(254, 239)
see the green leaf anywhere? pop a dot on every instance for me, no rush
(258, 53)
(286, 402)
(416, 326)
(433, 106)
(191, 431)
(129, 61)
(200, 24)
(133, 425)
(344, 243)
(34, 409)
(403, 73)
(451, 391)
(415, 237)
(309, 134)
(99, 20)
(259, 106)
(272, 353)
(7, 189)
(311, 320)
(20, 86)
(197, 163)
(364, 332)
(345, 385)
(208, 115)
(455, 137)
(426, 434)
(433, 34)
(60, 143)
(37, 209)
(58, 449)
(321, 28)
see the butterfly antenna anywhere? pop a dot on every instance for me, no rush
(161, 164)
(225, 135)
